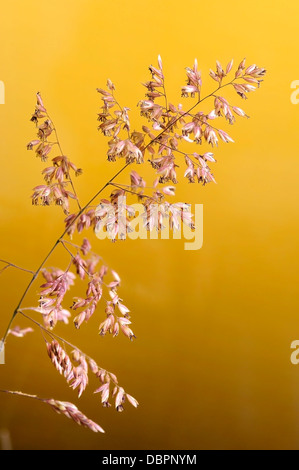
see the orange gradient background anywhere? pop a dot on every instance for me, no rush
(211, 366)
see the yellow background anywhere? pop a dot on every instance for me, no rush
(211, 365)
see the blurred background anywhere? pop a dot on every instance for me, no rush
(211, 365)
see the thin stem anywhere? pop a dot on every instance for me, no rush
(73, 257)
(122, 110)
(27, 289)
(14, 266)
(130, 191)
(66, 248)
(72, 244)
(62, 154)
(21, 394)
(79, 248)
(185, 154)
(50, 333)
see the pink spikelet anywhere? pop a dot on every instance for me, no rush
(71, 411)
